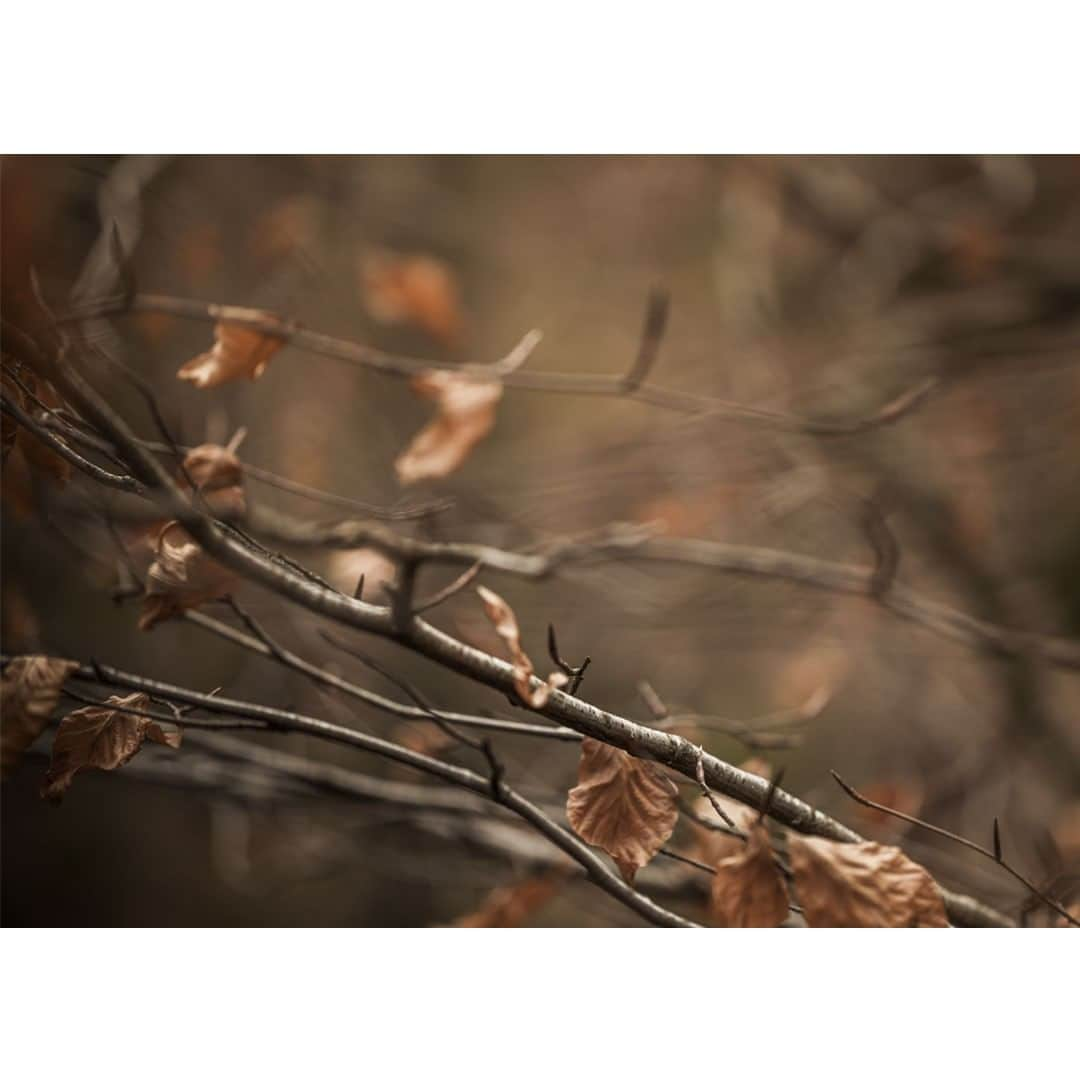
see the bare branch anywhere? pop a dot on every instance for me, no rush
(994, 855)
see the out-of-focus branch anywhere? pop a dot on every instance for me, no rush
(630, 385)
(282, 720)
(58, 446)
(301, 588)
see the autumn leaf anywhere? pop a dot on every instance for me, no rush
(748, 889)
(101, 737)
(511, 905)
(506, 626)
(218, 475)
(714, 845)
(29, 693)
(238, 353)
(465, 416)
(416, 289)
(621, 804)
(182, 576)
(862, 884)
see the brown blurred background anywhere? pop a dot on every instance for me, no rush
(818, 286)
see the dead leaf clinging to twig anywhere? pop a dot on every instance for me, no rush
(622, 804)
(239, 352)
(863, 884)
(748, 889)
(466, 415)
(511, 905)
(217, 473)
(100, 737)
(29, 693)
(181, 576)
(506, 626)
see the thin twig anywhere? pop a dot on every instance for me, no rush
(994, 856)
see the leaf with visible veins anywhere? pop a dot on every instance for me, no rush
(101, 737)
(748, 889)
(623, 805)
(30, 690)
(863, 884)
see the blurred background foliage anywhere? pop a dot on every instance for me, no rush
(819, 286)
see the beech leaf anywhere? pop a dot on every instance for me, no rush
(506, 626)
(415, 289)
(465, 416)
(239, 352)
(101, 737)
(511, 905)
(621, 804)
(217, 473)
(863, 884)
(748, 888)
(30, 690)
(182, 576)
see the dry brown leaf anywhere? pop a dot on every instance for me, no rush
(863, 884)
(713, 845)
(466, 415)
(511, 905)
(29, 693)
(217, 473)
(622, 804)
(748, 889)
(505, 622)
(238, 353)
(101, 737)
(414, 289)
(182, 576)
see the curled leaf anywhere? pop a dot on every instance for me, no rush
(506, 626)
(511, 905)
(238, 353)
(182, 576)
(863, 884)
(29, 693)
(748, 889)
(414, 289)
(621, 804)
(218, 475)
(466, 415)
(101, 737)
